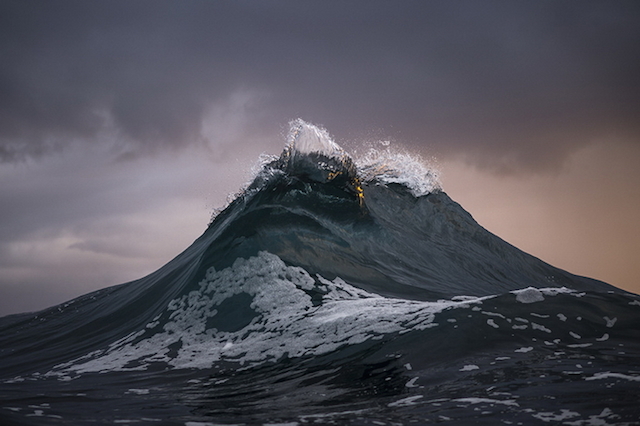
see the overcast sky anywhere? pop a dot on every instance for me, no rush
(123, 124)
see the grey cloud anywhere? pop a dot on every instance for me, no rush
(518, 84)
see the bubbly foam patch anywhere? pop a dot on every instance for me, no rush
(262, 310)
(279, 319)
(529, 295)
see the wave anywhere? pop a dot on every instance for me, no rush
(333, 290)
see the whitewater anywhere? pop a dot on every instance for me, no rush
(333, 290)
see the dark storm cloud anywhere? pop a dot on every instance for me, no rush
(517, 84)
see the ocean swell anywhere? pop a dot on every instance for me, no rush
(333, 291)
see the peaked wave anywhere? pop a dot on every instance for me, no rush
(334, 279)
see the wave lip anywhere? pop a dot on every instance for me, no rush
(306, 138)
(312, 155)
(386, 167)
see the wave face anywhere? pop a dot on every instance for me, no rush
(333, 291)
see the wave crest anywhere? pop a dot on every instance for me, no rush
(312, 154)
(387, 166)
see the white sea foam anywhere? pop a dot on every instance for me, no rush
(280, 320)
(535, 314)
(306, 138)
(540, 327)
(469, 367)
(470, 400)
(412, 383)
(492, 323)
(387, 166)
(529, 295)
(286, 324)
(405, 402)
(556, 417)
(138, 391)
(601, 419)
(610, 375)
(610, 321)
(384, 166)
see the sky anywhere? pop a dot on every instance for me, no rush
(125, 124)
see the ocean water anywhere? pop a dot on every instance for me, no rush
(333, 291)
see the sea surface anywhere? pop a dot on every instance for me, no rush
(333, 291)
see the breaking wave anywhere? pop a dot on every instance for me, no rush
(333, 291)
